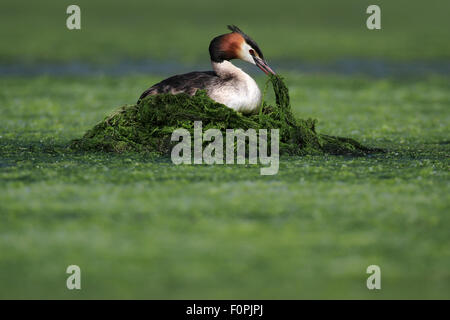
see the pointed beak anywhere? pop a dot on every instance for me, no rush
(263, 65)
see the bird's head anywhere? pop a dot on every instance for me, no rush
(237, 45)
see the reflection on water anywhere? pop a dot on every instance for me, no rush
(376, 68)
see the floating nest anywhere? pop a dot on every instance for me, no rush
(148, 126)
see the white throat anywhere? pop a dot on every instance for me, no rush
(238, 90)
(225, 69)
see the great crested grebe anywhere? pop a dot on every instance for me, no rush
(227, 84)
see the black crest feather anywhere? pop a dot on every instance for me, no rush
(249, 40)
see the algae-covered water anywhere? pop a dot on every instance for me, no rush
(140, 227)
(148, 125)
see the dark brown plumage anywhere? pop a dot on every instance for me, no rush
(188, 83)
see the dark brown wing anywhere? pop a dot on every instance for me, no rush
(188, 83)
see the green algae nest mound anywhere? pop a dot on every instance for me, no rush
(148, 126)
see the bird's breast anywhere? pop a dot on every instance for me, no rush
(240, 93)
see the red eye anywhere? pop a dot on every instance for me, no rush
(251, 52)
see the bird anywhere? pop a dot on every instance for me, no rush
(226, 83)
